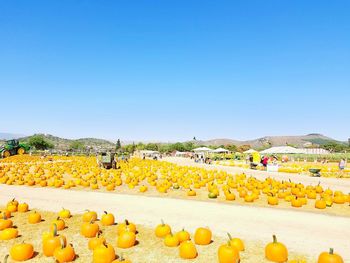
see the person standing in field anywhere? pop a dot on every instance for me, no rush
(342, 164)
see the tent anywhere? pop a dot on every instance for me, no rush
(220, 150)
(202, 149)
(282, 150)
(250, 151)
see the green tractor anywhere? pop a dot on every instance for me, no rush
(13, 147)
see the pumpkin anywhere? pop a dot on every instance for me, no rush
(22, 208)
(126, 224)
(126, 239)
(103, 254)
(320, 204)
(162, 230)
(187, 250)
(22, 252)
(236, 242)
(8, 233)
(183, 235)
(202, 236)
(34, 218)
(107, 219)
(89, 229)
(297, 202)
(276, 251)
(230, 196)
(212, 195)
(96, 241)
(6, 213)
(59, 223)
(171, 240)
(272, 200)
(13, 202)
(89, 216)
(64, 213)
(51, 241)
(330, 257)
(11, 207)
(64, 253)
(191, 193)
(5, 223)
(228, 254)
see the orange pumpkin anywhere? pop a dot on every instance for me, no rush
(183, 235)
(236, 243)
(22, 208)
(171, 240)
(89, 216)
(162, 230)
(107, 219)
(103, 254)
(59, 223)
(8, 233)
(51, 241)
(89, 229)
(96, 241)
(126, 225)
(228, 254)
(5, 223)
(34, 218)
(6, 213)
(187, 250)
(64, 213)
(202, 236)
(126, 239)
(22, 252)
(276, 251)
(330, 257)
(64, 253)
(320, 204)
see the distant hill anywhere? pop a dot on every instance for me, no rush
(259, 143)
(64, 144)
(269, 141)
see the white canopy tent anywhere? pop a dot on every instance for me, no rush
(282, 150)
(220, 150)
(202, 149)
(250, 151)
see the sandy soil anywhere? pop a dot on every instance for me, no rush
(341, 184)
(302, 232)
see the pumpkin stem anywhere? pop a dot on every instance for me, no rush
(274, 239)
(54, 230)
(126, 222)
(105, 212)
(5, 258)
(62, 242)
(331, 251)
(229, 236)
(162, 222)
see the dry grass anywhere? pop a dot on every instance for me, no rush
(149, 250)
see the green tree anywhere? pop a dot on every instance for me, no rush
(40, 143)
(77, 145)
(118, 145)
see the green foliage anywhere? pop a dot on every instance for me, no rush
(77, 145)
(335, 147)
(40, 143)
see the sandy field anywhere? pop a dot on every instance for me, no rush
(303, 232)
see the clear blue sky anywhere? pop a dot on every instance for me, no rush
(171, 70)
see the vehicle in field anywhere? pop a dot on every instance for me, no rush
(13, 147)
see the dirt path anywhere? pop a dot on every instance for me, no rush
(303, 232)
(333, 183)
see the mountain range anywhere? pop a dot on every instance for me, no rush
(263, 142)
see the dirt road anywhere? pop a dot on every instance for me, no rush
(333, 183)
(307, 233)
